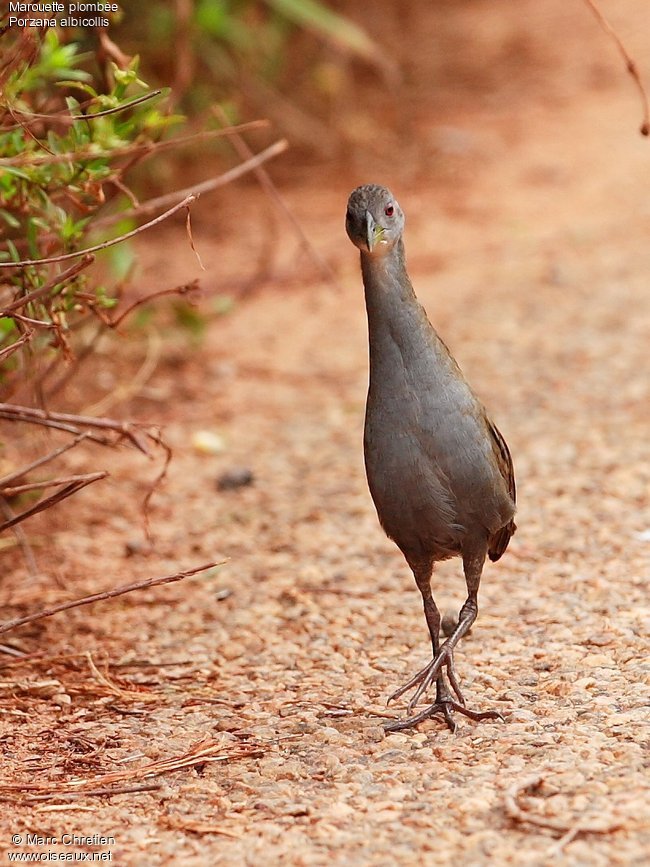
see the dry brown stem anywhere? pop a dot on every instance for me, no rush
(204, 187)
(93, 793)
(27, 117)
(68, 274)
(73, 423)
(71, 485)
(18, 474)
(630, 65)
(65, 256)
(185, 289)
(9, 350)
(129, 150)
(107, 594)
(271, 190)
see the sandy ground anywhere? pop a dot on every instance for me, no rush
(265, 680)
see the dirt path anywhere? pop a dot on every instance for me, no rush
(528, 226)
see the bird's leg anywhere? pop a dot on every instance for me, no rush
(422, 574)
(443, 658)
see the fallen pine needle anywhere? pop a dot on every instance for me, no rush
(108, 791)
(197, 827)
(201, 753)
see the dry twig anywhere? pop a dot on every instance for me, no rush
(270, 189)
(108, 791)
(18, 474)
(71, 485)
(129, 150)
(204, 187)
(73, 423)
(21, 538)
(630, 65)
(14, 347)
(68, 274)
(63, 116)
(185, 289)
(524, 816)
(65, 256)
(106, 594)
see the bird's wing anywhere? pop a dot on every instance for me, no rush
(499, 542)
(503, 458)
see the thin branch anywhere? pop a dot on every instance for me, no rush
(130, 387)
(190, 238)
(28, 131)
(186, 201)
(77, 483)
(18, 474)
(129, 150)
(185, 289)
(71, 272)
(21, 538)
(153, 487)
(62, 116)
(45, 483)
(69, 422)
(39, 323)
(107, 594)
(9, 350)
(630, 65)
(269, 187)
(206, 186)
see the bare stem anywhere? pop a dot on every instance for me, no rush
(205, 187)
(68, 274)
(630, 65)
(107, 594)
(186, 201)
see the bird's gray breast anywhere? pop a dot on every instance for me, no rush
(427, 456)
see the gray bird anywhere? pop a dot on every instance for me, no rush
(439, 472)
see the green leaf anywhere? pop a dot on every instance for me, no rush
(9, 218)
(12, 170)
(336, 28)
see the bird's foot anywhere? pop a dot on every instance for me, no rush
(446, 707)
(430, 674)
(445, 703)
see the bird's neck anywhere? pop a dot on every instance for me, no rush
(388, 290)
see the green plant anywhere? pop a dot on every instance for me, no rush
(232, 50)
(64, 150)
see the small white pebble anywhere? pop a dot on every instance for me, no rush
(207, 442)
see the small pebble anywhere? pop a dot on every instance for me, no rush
(136, 546)
(235, 477)
(207, 442)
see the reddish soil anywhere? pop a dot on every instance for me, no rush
(257, 691)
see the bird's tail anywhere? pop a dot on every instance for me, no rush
(499, 542)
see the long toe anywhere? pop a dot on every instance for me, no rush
(444, 659)
(446, 708)
(417, 679)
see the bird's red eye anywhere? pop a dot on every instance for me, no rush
(389, 210)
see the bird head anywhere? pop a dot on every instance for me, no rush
(374, 221)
